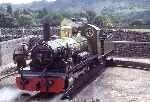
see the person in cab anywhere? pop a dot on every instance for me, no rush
(20, 55)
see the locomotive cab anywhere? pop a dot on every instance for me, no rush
(99, 42)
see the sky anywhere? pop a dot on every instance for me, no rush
(19, 1)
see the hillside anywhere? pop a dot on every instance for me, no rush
(125, 6)
(97, 5)
(127, 10)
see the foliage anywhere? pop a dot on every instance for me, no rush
(99, 21)
(105, 21)
(6, 20)
(52, 19)
(137, 24)
(24, 20)
(9, 9)
(106, 16)
(118, 12)
(91, 15)
(42, 13)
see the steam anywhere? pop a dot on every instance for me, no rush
(8, 94)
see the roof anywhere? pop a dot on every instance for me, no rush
(63, 27)
(95, 27)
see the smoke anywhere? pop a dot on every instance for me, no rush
(8, 94)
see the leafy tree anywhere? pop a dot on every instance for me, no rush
(24, 20)
(99, 21)
(9, 9)
(6, 20)
(79, 15)
(52, 19)
(17, 13)
(2, 9)
(137, 24)
(91, 15)
(105, 21)
(42, 13)
(44, 10)
(83, 14)
(66, 15)
(108, 21)
(26, 12)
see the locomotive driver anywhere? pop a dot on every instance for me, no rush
(20, 55)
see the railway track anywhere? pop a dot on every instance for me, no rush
(79, 84)
(43, 97)
(36, 96)
(134, 64)
(9, 70)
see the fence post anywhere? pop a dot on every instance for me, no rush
(23, 32)
(0, 47)
(0, 35)
(102, 38)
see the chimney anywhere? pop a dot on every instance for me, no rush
(46, 31)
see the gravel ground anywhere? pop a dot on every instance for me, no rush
(116, 84)
(119, 84)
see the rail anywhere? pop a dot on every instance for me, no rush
(131, 42)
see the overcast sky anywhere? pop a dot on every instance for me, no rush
(19, 1)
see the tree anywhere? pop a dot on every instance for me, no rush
(44, 10)
(2, 9)
(66, 14)
(42, 13)
(6, 20)
(24, 20)
(52, 19)
(103, 21)
(91, 15)
(108, 21)
(9, 9)
(16, 13)
(99, 21)
(137, 24)
(26, 12)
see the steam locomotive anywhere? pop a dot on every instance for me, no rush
(56, 63)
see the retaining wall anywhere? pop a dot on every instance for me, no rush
(138, 45)
(141, 50)
(130, 36)
(120, 49)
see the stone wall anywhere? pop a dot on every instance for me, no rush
(131, 44)
(121, 35)
(141, 50)
(121, 49)
(21, 32)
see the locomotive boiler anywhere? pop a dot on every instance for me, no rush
(56, 63)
